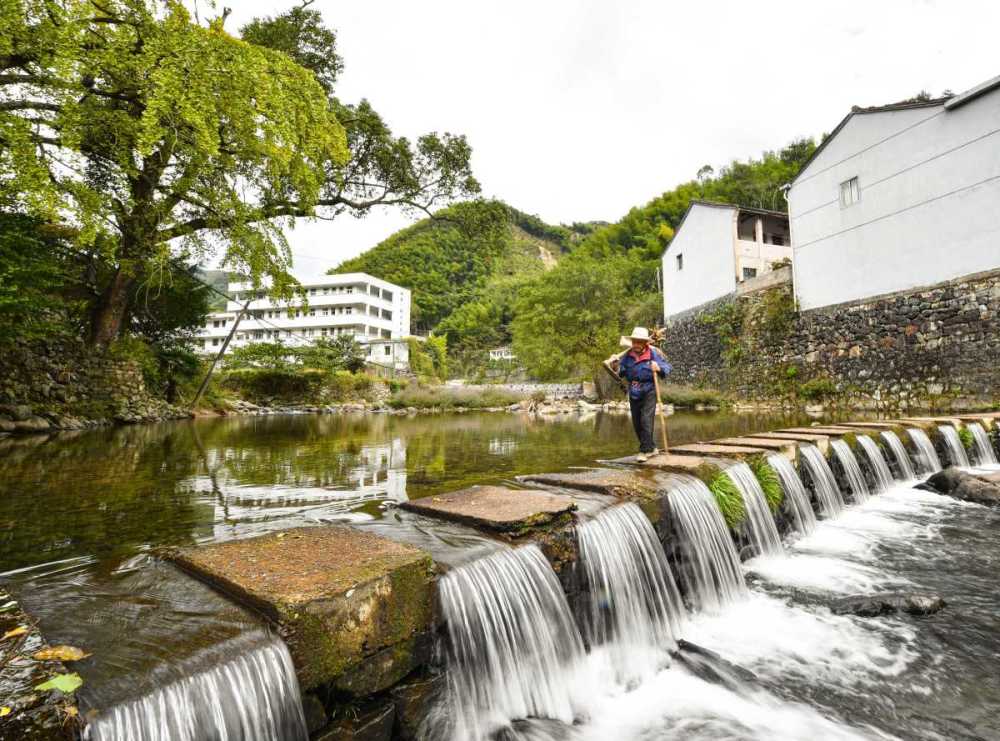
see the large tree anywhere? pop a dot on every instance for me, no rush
(155, 136)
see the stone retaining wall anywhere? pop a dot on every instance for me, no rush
(933, 347)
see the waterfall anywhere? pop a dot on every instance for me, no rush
(883, 476)
(512, 643)
(855, 479)
(827, 492)
(926, 455)
(760, 522)
(710, 567)
(956, 450)
(635, 608)
(254, 695)
(984, 451)
(795, 493)
(902, 457)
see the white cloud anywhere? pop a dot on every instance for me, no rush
(581, 110)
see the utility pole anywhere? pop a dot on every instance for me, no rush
(222, 350)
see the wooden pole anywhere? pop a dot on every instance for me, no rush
(659, 409)
(222, 350)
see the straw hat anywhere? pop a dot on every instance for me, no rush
(640, 333)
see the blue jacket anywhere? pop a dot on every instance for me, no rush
(638, 374)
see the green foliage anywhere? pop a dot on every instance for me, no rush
(769, 481)
(449, 397)
(729, 499)
(728, 321)
(776, 312)
(342, 352)
(429, 358)
(817, 389)
(343, 385)
(687, 396)
(262, 384)
(967, 438)
(260, 355)
(301, 35)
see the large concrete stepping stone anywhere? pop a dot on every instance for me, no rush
(889, 424)
(354, 608)
(730, 451)
(784, 447)
(498, 509)
(820, 441)
(831, 430)
(611, 481)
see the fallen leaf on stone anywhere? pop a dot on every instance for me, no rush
(19, 630)
(60, 653)
(65, 683)
(4, 711)
(71, 711)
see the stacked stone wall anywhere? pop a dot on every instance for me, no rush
(935, 347)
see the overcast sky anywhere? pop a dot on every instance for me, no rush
(580, 110)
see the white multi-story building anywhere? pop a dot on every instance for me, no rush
(373, 311)
(899, 197)
(718, 246)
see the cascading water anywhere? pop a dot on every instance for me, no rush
(927, 457)
(831, 501)
(883, 476)
(985, 454)
(710, 567)
(956, 450)
(254, 695)
(849, 462)
(902, 457)
(795, 493)
(635, 608)
(760, 522)
(512, 643)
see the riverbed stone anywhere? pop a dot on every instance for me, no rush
(373, 723)
(412, 699)
(873, 605)
(980, 489)
(352, 606)
(499, 509)
(614, 482)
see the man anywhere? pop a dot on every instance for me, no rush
(637, 367)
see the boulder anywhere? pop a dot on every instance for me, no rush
(353, 607)
(873, 605)
(371, 724)
(32, 424)
(412, 700)
(711, 667)
(965, 486)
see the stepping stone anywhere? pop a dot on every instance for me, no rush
(984, 419)
(497, 508)
(730, 451)
(614, 482)
(354, 608)
(682, 463)
(820, 441)
(784, 447)
(888, 424)
(831, 430)
(936, 421)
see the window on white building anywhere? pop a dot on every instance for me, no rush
(749, 273)
(849, 193)
(386, 314)
(387, 295)
(215, 342)
(388, 349)
(680, 262)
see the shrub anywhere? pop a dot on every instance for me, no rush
(965, 435)
(344, 386)
(265, 384)
(729, 499)
(686, 396)
(817, 389)
(768, 479)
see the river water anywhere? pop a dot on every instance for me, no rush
(80, 513)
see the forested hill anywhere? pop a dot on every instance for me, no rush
(464, 266)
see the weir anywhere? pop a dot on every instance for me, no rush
(883, 476)
(634, 606)
(760, 521)
(824, 483)
(956, 450)
(849, 462)
(512, 643)
(254, 695)
(899, 452)
(710, 568)
(927, 457)
(985, 455)
(795, 494)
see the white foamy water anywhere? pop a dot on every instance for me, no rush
(795, 493)
(956, 450)
(883, 476)
(900, 454)
(824, 484)
(760, 521)
(849, 462)
(926, 455)
(985, 454)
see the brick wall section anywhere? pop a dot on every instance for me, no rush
(937, 346)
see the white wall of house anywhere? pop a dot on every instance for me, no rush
(928, 208)
(705, 244)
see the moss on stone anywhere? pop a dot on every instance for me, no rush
(729, 499)
(769, 482)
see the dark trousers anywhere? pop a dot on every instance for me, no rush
(643, 414)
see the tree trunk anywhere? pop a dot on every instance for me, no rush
(109, 311)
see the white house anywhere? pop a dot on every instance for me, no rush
(373, 311)
(899, 197)
(716, 247)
